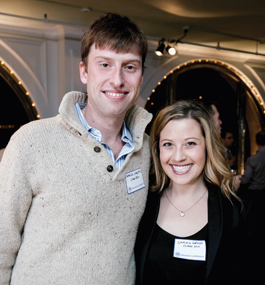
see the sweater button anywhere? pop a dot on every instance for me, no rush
(97, 149)
(110, 168)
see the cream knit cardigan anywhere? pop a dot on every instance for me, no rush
(64, 219)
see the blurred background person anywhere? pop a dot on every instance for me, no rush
(211, 107)
(252, 190)
(227, 139)
(254, 174)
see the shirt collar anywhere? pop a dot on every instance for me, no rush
(126, 135)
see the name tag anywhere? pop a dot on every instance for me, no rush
(190, 249)
(134, 180)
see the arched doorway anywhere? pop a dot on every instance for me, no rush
(240, 105)
(16, 108)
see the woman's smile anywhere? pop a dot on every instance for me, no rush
(181, 169)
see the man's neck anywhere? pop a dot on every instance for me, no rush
(110, 129)
(260, 146)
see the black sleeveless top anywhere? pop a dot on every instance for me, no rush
(162, 267)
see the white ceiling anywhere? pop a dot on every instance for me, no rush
(235, 24)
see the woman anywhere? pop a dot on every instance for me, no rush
(191, 230)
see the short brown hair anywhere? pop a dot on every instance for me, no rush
(260, 138)
(215, 170)
(115, 32)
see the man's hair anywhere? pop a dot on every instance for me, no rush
(224, 132)
(208, 105)
(114, 32)
(215, 169)
(260, 138)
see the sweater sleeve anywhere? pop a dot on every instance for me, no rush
(15, 201)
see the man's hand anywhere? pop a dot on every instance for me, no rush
(237, 181)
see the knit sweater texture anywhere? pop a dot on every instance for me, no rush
(64, 219)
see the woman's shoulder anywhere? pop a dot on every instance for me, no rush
(231, 208)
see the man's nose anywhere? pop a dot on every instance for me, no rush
(117, 78)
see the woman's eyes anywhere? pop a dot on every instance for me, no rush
(191, 143)
(187, 144)
(184, 144)
(167, 144)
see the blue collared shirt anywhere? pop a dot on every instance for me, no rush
(95, 134)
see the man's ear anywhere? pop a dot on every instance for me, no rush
(83, 72)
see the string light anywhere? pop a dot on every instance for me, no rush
(245, 80)
(23, 89)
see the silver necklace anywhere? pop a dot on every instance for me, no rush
(182, 213)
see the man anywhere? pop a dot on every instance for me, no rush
(227, 139)
(73, 187)
(254, 174)
(216, 118)
(212, 110)
(253, 192)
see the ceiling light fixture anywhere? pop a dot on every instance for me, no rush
(171, 44)
(160, 49)
(171, 50)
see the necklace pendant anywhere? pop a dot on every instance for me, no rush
(181, 214)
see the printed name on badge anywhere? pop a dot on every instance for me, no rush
(190, 249)
(134, 181)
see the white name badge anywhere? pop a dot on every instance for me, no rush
(190, 249)
(134, 180)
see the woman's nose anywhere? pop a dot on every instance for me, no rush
(179, 154)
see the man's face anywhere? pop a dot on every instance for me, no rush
(228, 141)
(113, 81)
(216, 119)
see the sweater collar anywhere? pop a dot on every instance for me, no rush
(136, 118)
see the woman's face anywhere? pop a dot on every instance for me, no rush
(182, 151)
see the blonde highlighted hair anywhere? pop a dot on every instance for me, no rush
(215, 170)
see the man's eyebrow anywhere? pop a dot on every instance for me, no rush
(126, 60)
(134, 60)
